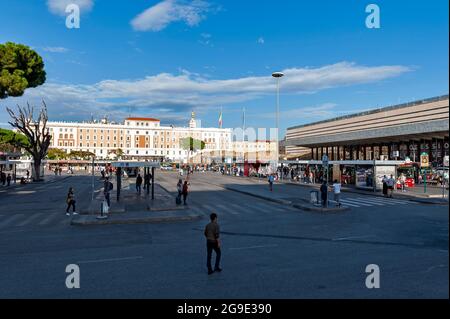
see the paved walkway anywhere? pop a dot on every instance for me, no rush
(433, 194)
(133, 208)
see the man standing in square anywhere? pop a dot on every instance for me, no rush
(212, 233)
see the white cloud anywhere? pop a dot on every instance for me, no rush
(261, 40)
(59, 6)
(55, 49)
(159, 16)
(172, 95)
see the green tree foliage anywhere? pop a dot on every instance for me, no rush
(81, 155)
(11, 141)
(56, 154)
(191, 144)
(117, 152)
(20, 68)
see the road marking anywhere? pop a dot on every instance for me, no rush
(381, 200)
(48, 218)
(30, 219)
(399, 201)
(351, 200)
(210, 208)
(364, 201)
(261, 207)
(227, 209)
(10, 219)
(252, 247)
(349, 203)
(109, 260)
(352, 237)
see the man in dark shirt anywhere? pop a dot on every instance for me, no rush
(212, 233)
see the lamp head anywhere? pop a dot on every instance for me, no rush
(277, 74)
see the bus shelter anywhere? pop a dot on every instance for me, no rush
(147, 166)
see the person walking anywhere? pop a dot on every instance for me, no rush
(403, 182)
(70, 200)
(180, 191)
(3, 178)
(185, 192)
(107, 187)
(147, 181)
(324, 193)
(390, 186)
(385, 187)
(138, 184)
(212, 234)
(8, 180)
(270, 180)
(337, 192)
(28, 175)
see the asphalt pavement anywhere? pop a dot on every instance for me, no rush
(270, 250)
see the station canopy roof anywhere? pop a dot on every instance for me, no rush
(135, 164)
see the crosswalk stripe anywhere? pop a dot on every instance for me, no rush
(388, 201)
(30, 219)
(10, 219)
(49, 218)
(228, 210)
(210, 208)
(349, 203)
(399, 201)
(379, 201)
(365, 201)
(267, 208)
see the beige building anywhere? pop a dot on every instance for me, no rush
(137, 137)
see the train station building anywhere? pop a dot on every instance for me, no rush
(404, 134)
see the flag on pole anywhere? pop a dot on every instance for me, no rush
(220, 119)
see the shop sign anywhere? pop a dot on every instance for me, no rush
(424, 160)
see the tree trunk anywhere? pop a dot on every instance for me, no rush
(37, 170)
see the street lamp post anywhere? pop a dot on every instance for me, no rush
(277, 76)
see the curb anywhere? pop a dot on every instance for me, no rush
(322, 210)
(138, 220)
(429, 202)
(275, 200)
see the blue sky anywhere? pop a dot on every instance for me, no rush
(166, 58)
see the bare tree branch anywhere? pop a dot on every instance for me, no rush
(35, 130)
